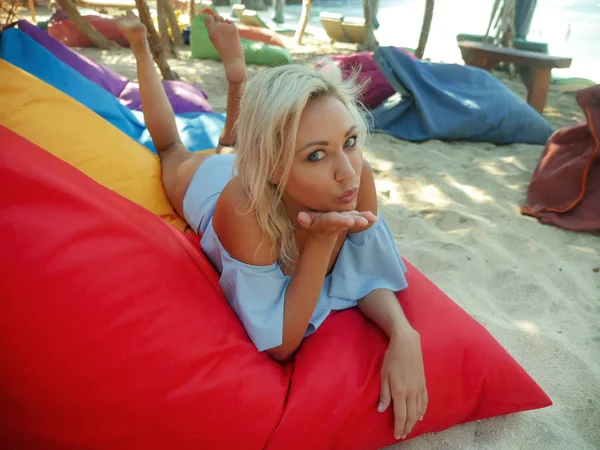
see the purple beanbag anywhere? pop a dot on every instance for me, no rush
(184, 97)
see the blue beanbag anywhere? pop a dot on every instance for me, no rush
(198, 131)
(452, 102)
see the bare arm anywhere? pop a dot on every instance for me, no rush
(307, 280)
(402, 373)
(382, 307)
(303, 294)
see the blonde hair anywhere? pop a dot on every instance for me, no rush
(270, 111)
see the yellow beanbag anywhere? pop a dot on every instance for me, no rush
(67, 129)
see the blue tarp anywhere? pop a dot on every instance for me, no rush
(198, 131)
(452, 102)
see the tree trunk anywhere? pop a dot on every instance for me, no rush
(31, 5)
(154, 40)
(306, 7)
(163, 28)
(98, 39)
(425, 28)
(175, 31)
(192, 11)
(370, 43)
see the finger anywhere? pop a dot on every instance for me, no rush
(368, 215)
(304, 219)
(360, 221)
(341, 221)
(419, 405)
(399, 415)
(208, 20)
(352, 213)
(425, 401)
(411, 415)
(385, 397)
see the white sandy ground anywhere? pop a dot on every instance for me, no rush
(454, 210)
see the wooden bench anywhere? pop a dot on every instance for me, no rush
(534, 68)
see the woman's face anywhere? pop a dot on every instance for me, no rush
(325, 173)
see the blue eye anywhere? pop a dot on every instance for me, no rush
(316, 156)
(350, 142)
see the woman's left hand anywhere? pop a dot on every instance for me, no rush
(403, 382)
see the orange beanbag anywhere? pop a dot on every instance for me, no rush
(114, 333)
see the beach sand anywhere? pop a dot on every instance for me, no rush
(454, 210)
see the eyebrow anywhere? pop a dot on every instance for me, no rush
(310, 144)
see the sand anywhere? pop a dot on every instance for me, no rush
(454, 210)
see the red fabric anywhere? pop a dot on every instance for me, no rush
(66, 32)
(565, 186)
(336, 376)
(114, 334)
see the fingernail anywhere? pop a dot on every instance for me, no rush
(397, 436)
(380, 407)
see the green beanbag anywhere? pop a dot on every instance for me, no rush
(255, 52)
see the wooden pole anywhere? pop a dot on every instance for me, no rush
(84, 26)
(31, 5)
(154, 41)
(192, 12)
(306, 7)
(429, 4)
(163, 28)
(370, 43)
(173, 24)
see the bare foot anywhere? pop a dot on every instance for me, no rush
(133, 30)
(224, 36)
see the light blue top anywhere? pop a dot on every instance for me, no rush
(367, 261)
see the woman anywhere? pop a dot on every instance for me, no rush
(289, 217)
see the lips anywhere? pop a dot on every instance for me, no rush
(348, 196)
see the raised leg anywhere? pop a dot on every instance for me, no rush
(224, 36)
(158, 112)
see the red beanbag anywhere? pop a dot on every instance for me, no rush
(113, 330)
(336, 384)
(114, 334)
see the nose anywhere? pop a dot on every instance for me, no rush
(344, 170)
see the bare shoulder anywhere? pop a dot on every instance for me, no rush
(239, 230)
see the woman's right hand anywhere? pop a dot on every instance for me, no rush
(327, 225)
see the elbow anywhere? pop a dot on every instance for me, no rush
(283, 353)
